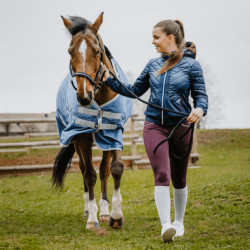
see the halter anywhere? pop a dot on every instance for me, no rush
(94, 83)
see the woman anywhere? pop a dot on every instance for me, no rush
(170, 78)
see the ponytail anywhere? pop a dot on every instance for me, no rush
(181, 27)
(175, 28)
(171, 62)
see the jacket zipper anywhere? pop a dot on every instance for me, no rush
(163, 89)
(181, 103)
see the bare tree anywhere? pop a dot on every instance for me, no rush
(215, 114)
(139, 107)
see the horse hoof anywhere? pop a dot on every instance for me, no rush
(92, 225)
(116, 223)
(104, 218)
(86, 214)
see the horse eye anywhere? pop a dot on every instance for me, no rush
(70, 51)
(97, 53)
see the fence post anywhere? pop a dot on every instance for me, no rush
(195, 157)
(194, 147)
(27, 139)
(133, 144)
(7, 127)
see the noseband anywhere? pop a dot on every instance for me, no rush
(94, 83)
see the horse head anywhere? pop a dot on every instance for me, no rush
(86, 50)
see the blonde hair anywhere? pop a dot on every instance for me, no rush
(175, 28)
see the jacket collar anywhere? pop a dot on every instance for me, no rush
(167, 56)
(189, 51)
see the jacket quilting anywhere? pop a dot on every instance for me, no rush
(169, 90)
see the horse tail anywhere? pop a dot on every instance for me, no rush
(62, 162)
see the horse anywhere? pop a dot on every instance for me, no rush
(88, 62)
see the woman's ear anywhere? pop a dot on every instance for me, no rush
(171, 38)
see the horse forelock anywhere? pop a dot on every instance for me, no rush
(79, 24)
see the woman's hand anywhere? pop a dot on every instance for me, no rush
(195, 116)
(106, 75)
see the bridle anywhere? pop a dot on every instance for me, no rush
(95, 83)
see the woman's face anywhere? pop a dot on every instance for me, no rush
(161, 41)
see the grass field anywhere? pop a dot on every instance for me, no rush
(34, 216)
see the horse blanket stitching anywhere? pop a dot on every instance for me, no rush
(105, 122)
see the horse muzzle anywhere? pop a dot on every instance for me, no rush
(85, 101)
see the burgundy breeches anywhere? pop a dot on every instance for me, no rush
(163, 162)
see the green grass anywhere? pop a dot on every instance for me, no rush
(34, 216)
(52, 152)
(35, 153)
(44, 138)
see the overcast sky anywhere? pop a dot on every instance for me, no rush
(34, 43)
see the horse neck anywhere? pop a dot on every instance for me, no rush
(105, 94)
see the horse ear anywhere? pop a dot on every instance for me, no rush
(96, 25)
(67, 23)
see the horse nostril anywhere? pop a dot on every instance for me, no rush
(90, 95)
(84, 101)
(78, 97)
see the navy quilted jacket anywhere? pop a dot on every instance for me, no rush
(169, 90)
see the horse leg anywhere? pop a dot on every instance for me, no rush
(86, 192)
(86, 199)
(84, 144)
(116, 215)
(104, 175)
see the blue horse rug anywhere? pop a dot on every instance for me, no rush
(105, 122)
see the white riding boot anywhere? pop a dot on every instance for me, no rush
(162, 201)
(180, 200)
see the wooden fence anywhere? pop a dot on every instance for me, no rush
(131, 138)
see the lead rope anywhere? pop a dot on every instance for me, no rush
(191, 127)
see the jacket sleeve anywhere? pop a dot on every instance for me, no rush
(198, 88)
(140, 86)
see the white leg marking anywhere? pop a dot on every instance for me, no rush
(92, 208)
(86, 201)
(104, 207)
(116, 212)
(83, 49)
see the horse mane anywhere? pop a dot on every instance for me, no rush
(79, 24)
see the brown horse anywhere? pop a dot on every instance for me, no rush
(88, 56)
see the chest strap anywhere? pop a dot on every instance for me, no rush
(99, 112)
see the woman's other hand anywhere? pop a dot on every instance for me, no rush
(195, 116)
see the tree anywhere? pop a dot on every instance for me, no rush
(215, 99)
(138, 107)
